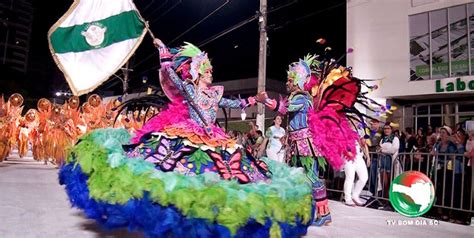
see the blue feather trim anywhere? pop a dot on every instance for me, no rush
(156, 220)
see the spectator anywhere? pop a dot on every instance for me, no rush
(460, 167)
(352, 196)
(470, 148)
(373, 141)
(441, 150)
(430, 138)
(402, 138)
(375, 135)
(275, 135)
(389, 146)
(257, 148)
(469, 192)
(429, 130)
(437, 133)
(421, 140)
(410, 140)
(459, 126)
(414, 159)
(239, 137)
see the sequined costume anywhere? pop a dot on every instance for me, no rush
(182, 175)
(321, 102)
(303, 152)
(10, 114)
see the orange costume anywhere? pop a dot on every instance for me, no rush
(10, 113)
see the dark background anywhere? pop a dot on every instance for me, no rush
(294, 27)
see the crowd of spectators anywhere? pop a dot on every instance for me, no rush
(444, 154)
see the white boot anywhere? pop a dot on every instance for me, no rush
(356, 200)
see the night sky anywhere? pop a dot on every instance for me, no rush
(292, 33)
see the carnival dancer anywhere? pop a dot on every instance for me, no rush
(183, 176)
(322, 98)
(4, 129)
(10, 114)
(32, 119)
(61, 134)
(74, 118)
(41, 148)
(22, 131)
(28, 127)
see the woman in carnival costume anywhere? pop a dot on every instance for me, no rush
(27, 131)
(322, 98)
(183, 176)
(10, 114)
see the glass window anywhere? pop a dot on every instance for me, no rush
(466, 107)
(462, 119)
(439, 43)
(422, 122)
(458, 37)
(435, 109)
(419, 47)
(439, 114)
(422, 110)
(471, 27)
(435, 121)
(448, 45)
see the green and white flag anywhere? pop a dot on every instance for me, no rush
(94, 39)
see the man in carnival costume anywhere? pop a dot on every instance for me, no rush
(322, 98)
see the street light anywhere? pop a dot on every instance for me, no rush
(65, 94)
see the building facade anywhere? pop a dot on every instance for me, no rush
(16, 18)
(421, 52)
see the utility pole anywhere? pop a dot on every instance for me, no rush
(262, 62)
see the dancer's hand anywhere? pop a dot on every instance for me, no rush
(158, 43)
(261, 97)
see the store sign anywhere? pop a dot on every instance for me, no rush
(458, 85)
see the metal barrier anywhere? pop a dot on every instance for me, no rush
(452, 178)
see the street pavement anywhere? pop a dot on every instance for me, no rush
(33, 204)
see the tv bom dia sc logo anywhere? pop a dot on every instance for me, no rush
(412, 194)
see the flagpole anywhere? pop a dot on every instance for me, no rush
(147, 26)
(207, 127)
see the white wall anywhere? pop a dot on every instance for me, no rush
(378, 31)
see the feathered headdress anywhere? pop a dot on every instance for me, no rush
(190, 61)
(300, 72)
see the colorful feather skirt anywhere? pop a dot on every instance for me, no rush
(168, 186)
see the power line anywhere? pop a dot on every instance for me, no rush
(236, 26)
(244, 22)
(196, 24)
(167, 11)
(149, 4)
(225, 32)
(199, 22)
(283, 25)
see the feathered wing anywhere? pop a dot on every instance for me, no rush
(333, 135)
(340, 95)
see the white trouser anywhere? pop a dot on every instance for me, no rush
(350, 168)
(277, 155)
